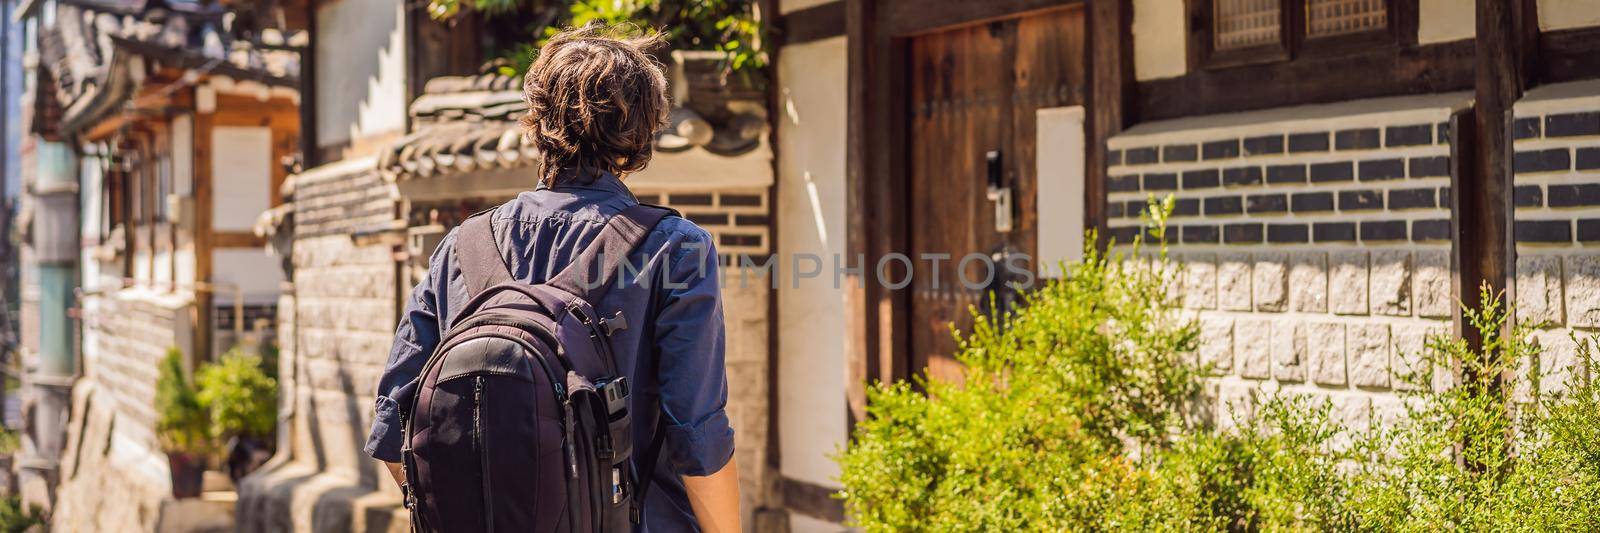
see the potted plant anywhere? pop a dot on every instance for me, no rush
(241, 398)
(183, 426)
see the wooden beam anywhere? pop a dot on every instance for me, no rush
(859, 313)
(1110, 92)
(236, 239)
(1482, 154)
(1568, 55)
(1385, 71)
(813, 23)
(203, 237)
(903, 18)
(774, 450)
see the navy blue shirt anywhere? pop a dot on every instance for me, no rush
(672, 352)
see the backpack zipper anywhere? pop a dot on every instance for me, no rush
(483, 451)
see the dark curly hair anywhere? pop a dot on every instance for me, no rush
(596, 99)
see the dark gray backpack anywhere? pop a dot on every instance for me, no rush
(520, 420)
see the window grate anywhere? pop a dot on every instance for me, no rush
(1245, 23)
(1325, 18)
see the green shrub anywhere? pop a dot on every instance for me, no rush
(15, 519)
(1474, 457)
(239, 395)
(1082, 414)
(182, 421)
(1033, 435)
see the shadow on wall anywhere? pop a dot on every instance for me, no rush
(361, 60)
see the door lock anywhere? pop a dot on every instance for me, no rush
(999, 193)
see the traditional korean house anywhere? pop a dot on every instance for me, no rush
(1344, 172)
(171, 125)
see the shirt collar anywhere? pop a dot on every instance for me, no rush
(603, 181)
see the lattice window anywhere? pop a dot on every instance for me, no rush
(1325, 18)
(1245, 23)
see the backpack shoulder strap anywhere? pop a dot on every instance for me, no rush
(478, 255)
(594, 270)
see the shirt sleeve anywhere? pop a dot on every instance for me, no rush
(690, 342)
(414, 341)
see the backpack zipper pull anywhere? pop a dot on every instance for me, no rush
(566, 443)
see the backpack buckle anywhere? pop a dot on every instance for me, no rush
(614, 324)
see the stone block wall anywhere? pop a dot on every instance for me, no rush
(1313, 243)
(1557, 222)
(335, 332)
(113, 472)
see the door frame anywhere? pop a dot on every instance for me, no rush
(877, 319)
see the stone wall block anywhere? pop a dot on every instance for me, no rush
(1369, 355)
(1270, 281)
(1411, 368)
(1348, 282)
(1216, 344)
(1558, 360)
(1236, 403)
(1325, 348)
(1253, 347)
(1583, 290)
(1200, 281)
(1539, 298)
(1308, 282)
(1354, 412)
(1288, 351)
(1431, 284)
(1233, 281)
(1391, 282)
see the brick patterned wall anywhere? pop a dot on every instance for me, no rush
(1557, 227)
(736, 218)
(1314, 243)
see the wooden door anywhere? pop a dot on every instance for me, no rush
(972, 90)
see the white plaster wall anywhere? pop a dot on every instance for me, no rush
(1060, 167)
(1159, 38)
(361, 74)
(1441, 21)
(254, 270)
(811, 210)
(1568, 14)
(242, 176)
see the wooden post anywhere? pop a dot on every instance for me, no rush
(1111, 81)
(1485, 247)
(861, 366)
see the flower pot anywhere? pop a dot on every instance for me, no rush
(188, 471)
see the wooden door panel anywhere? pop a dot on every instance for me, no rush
(974, 89)
(958, 102)
(1050, 73)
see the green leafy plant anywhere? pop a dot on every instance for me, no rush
(15, 519)
(1031, 436)
(1475, 456)
(239, 396)
(728, 26)
(1083, 413)
(183, 424)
